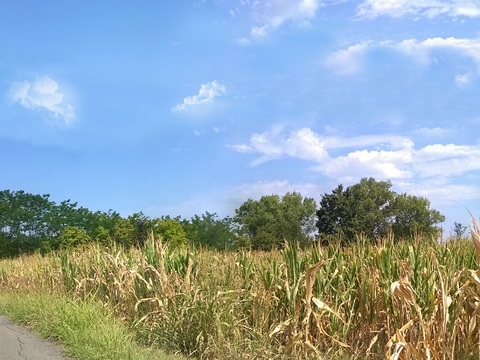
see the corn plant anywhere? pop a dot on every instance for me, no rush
(387, 299)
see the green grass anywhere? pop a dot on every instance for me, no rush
(85, 330)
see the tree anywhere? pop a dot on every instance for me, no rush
(270, 221)
(102, 226)
(458, 230)
(370, 208)
(143, 225)
(359, 209)
(208, 230)
(412, 215)
(171, 231)
(29, 222)
(124, 232)
(72, 236)
(24, 217)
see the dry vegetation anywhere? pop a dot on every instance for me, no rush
(405, 300)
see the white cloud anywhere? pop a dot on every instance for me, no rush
(206, 94)
(350, 60)
(418, 8)
(442, 193)
(447, 160)
(422, 50)
(463, 79)
(43, 95)
(431, 133)
(303, 144)
(384, 157)
(381, 164)
(268, 16)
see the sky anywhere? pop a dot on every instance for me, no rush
(182, 107)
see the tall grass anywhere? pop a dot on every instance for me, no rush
(395, 300)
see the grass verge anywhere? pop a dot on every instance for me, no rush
(84, 329)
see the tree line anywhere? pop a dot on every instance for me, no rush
(30, 222)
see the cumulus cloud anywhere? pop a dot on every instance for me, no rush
(416, 8)
(447, 160)
(384, 157)
(43, 95)
(206, 94)
(270, 15)
(462, 80)
(303, 144)
(383, 164)
(350, 60)
(422, 50)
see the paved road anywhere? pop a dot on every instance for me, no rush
(18, 343)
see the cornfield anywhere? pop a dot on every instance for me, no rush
(395, 300)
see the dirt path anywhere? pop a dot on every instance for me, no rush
(17, 342)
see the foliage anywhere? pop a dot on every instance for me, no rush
(412, 215)
(458, 230)
(102, 226)
(28, 222)
(33, 222)
(143, 225)
(208, 230)
(170, 231)
(72, 236)
(371, 209)
(124, 232)
(272, 220)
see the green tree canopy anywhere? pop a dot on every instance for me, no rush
(412, 215)
(370, 208)
(171, 231)
(28, 221)
(265, 224)
(209, 230)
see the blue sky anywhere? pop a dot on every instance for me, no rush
(177, 108)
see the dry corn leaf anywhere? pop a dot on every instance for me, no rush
(280, 327)
(372, 342)
(475, 232)
(309, 280)
(399, 347)
(472, 325)
(321, 305)
(475, 277)
(396, 338)
(403, 290)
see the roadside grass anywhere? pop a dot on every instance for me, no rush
(85, 330)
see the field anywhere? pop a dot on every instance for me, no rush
(395, 300)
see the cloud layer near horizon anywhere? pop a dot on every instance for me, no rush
(381, 156)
